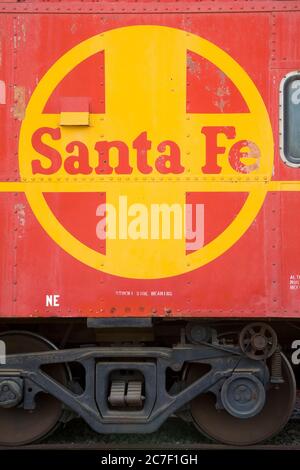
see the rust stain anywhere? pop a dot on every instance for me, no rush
(221, 92)
(21, 215)
(238, 153)
(2, 92)
(18, 110)
(20, 211)
(73, 28)
(186, 22)
(254, 152)
(23, 30)
(220, 104)
(193, 66)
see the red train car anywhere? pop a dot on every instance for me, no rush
(149, 195)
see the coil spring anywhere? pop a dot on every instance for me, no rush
(276, 368)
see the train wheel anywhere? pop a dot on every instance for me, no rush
(19, 426)
(221, 426)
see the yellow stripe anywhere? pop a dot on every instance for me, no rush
(94, 186)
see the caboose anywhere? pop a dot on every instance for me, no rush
(149, 195)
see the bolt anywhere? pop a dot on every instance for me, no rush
(242, 394)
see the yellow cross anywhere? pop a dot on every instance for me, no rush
(145, 82)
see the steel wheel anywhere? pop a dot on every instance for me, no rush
(19, 426)
(219, 425)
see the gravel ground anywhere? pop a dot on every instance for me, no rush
(174, 431)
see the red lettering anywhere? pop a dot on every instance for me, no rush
(236, 155)
(142, 145)
(77, 164)
(44, 149)
(77, 159)
(169, 163)
(103, 148)
(212, 149)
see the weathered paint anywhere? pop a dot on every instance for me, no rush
(148, 71)
(2, 92)
(18, 110)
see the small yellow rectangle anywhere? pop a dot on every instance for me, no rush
(74, 119)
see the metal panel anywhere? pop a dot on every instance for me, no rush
(44, 270)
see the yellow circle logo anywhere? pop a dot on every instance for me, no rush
(146, 152)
